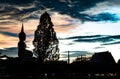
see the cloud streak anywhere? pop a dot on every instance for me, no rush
(9, 34)
(104, 39)
(11, 52)
(106, 17)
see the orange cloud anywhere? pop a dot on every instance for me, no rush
(62, 23)
(8, 41)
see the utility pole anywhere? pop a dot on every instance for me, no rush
(68, 57)
(81, 58)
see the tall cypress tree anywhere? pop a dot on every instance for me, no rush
(45, 40)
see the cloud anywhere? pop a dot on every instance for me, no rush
(11, 52)
(7, 23)
(99, 47)
(105, 17)
(9, 34)
(115, 2)
(64, 23)
(86, 37)
(29, 9)
(78, 53)
(16, 2)
(112, 43)
(74, 53)
(3, 28)
(74, 8)
(95, 38)
(8, 41)
(15, 10)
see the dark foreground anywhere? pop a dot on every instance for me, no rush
(16, 68)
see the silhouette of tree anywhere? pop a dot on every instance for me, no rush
(45, 40)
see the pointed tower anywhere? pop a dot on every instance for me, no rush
(21, 43)
(22, 35)
(45, 40)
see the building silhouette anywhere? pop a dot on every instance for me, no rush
(22, 52)
(103, 57)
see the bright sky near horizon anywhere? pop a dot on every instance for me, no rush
(82, 26)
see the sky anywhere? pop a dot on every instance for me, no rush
(83, 27)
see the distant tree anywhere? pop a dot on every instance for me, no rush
(45, 40)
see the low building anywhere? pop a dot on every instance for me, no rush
(103, 57)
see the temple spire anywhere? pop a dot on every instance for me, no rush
(22, 29)
(22, 35)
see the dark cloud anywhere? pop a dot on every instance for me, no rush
(34, 16)
(70, 44)
(111, 43)
(29, 9)
(105, 17)
(9, 34)
(15, 10)
(16, 2)
(76, 53)
(86, 37)
(74, 8)
(95, 38)
(115, 2)
(11, 52)
(14, 34)
(98, 47)
(7, 23)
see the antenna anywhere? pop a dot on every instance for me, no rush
(68, 57)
